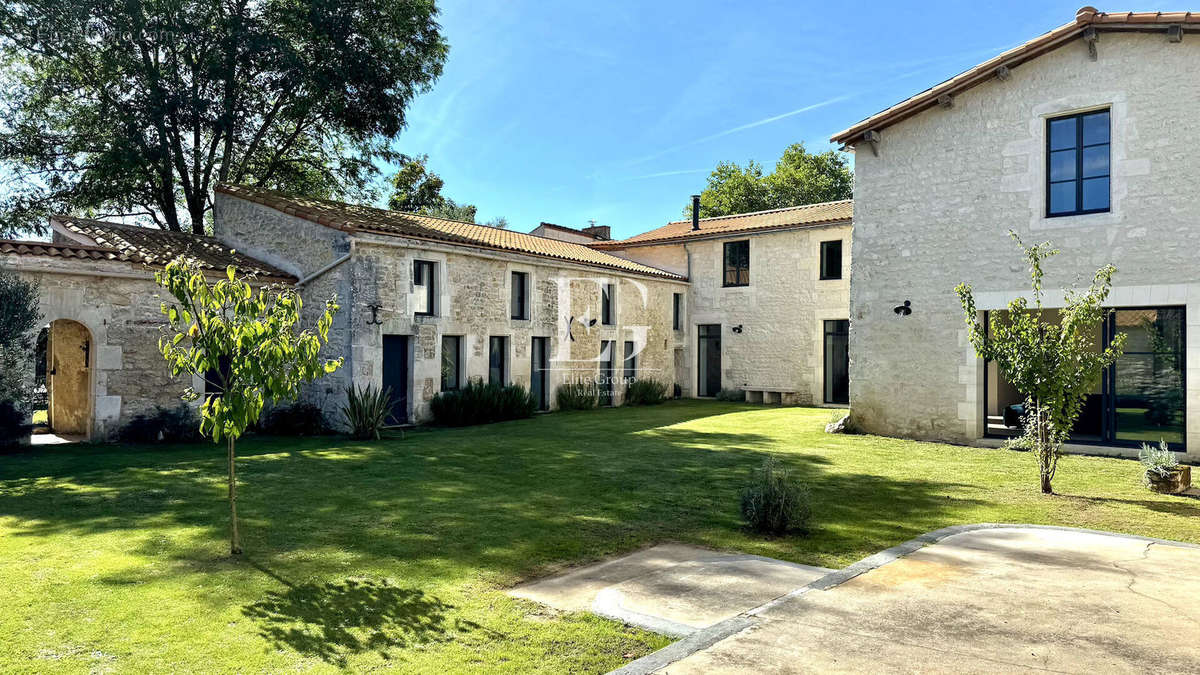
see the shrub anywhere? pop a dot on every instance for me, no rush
(13, 428)
(180, 424)
(298, 419)
(366, 411)
(732, 395)
(480, 403)
(1158, 462)
(645, 392)
(577, 396)
(776, 503)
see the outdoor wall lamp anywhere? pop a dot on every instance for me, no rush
(905, 309)
(737, 329)
(374, 320)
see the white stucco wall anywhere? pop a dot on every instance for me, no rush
(933, 209)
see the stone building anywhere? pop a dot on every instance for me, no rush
(1080, 136)
(428, 303)
(767, 305)
(101, 310)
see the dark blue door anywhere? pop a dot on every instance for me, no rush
(395, 375)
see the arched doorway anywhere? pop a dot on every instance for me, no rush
(69, 379)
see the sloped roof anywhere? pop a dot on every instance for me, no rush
(813, 215)
(158, 247)
(358, 218)
(1086, 17)
(54, 250)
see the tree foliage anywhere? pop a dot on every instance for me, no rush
(20, 317)
(1053, 364)
(800, 177)
(139, 107)
(416, 189)
(248, 341)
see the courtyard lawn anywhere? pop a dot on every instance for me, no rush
(395, 554)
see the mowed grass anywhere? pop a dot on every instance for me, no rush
(396, 554)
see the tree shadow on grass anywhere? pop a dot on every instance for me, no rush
(1177, 505)
(335, 620)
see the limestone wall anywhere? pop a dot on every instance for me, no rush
(125, 373)
(474, 302)
(781, 312)
(933, 209)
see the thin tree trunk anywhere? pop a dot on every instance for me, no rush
(235, 545)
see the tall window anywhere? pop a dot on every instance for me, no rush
(451, 362)
(607, 315)
(214, 377)
(677, 315)
(831, 259)
(1077, 164)
(630, 362)
(520, 295)
(737, 263)
(497, 359)
(423, 287)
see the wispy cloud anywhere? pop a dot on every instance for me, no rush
(661, 174)
(739, 128)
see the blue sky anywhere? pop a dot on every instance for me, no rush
(616, 111)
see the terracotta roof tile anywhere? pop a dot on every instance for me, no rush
(1086, 17)
(353, 217)
(808, 215)
(158, 247)
(53, 250)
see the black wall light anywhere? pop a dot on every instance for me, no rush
(737, 328)
(905, 309)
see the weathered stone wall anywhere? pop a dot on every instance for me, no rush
(781, 312)
(126, 373)
(933, 209)
(474, 302)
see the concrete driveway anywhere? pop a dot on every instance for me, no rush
(977, 599)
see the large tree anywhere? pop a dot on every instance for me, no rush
(139, 107)
(416, 189)
(800, 177)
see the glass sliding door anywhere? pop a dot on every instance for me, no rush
(1148, 380)
(1141, 398)
(539, 366)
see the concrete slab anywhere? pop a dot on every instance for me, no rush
(994, 600)
(671, 588)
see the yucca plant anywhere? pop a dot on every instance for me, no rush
(366, 411)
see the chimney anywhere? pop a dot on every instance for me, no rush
(600, 232)
(695, 212)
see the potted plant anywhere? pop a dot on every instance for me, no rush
(1164, 473)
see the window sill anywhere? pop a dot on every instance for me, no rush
(1077, 213)
(735, 285)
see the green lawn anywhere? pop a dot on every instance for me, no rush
(395, 554)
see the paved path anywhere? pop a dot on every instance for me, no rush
(672, 589)
(966, 600)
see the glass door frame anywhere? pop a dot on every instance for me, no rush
(1108, 421)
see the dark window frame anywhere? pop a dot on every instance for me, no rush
(608, 314)
(738, 269)
(429, 278)
(677, 311)
(629, 362)
(501, 340)
(519, 295)
(1079, 178)
(826, 246)
(456, 340)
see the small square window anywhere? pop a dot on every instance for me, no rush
(831, 259)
